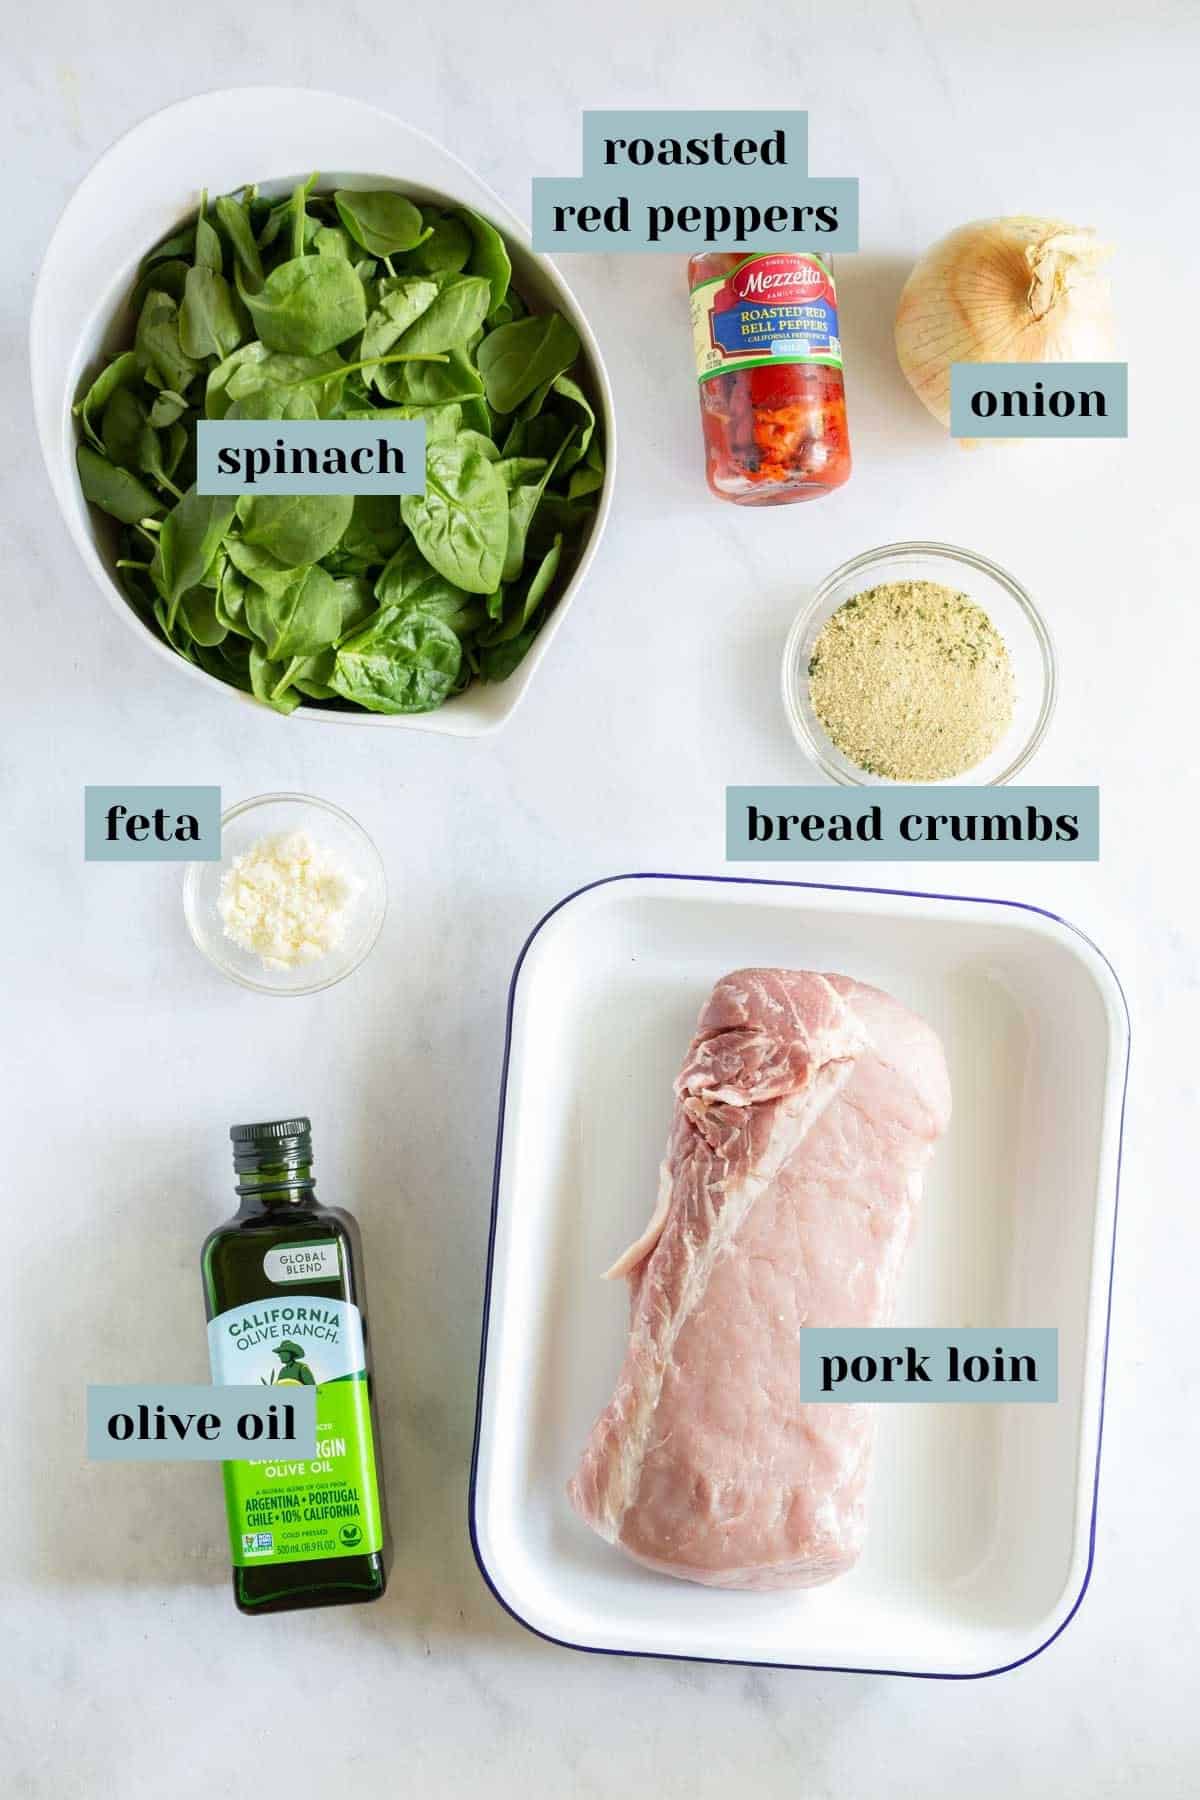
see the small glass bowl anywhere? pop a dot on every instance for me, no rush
(1008, 606)
(335, 831)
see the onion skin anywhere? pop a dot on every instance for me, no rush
(1003, 290)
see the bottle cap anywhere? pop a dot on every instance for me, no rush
(270, 1143)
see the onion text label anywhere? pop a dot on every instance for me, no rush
(1026, 400)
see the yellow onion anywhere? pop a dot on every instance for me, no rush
(1003, 290)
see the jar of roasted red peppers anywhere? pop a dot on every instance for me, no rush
(769, 359)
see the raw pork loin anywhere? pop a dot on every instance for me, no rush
(807, 1110)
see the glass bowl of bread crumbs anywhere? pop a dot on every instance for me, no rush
(296, 900)
(919, 663)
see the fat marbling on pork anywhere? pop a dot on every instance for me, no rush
(806, 1114)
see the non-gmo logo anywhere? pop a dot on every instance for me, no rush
(350, 1535)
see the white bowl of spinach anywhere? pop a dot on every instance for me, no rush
(345, 295)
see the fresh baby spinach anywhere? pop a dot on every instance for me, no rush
(295, 528)
(308, 305)
(384, 223)
(517, 358)
(400, 662)
(354, 305)
(460, 522)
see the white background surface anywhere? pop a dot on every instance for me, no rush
(123, 1665)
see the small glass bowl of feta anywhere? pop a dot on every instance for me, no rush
(296, 900)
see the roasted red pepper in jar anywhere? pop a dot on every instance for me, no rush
(769, 359)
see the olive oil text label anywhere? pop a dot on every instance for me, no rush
(187, 1422)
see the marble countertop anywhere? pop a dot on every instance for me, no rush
(123, 1665)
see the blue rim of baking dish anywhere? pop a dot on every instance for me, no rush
(832, 887)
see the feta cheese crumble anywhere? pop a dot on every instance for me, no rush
(287, 900)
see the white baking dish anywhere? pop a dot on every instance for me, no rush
(982, 1516)
(142, 188)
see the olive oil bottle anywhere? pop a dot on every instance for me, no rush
(286, 1306)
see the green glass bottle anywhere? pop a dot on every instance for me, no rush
(286, 1306)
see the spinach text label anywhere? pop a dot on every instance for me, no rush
(310, 456)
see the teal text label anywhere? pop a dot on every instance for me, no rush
(152, 824)
(1039, 400)
(890, 1365)
(187, 1422)
(912, 824)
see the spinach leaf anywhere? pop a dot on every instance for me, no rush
(375, 529)
(267, 402)
(588, 475)
(356, 601)
(569, 397)
(188, 542)
(460, 522)
(122, 370)
(308, 305)
(180, 452)
(305, 617)
(234, 217)
(295, 528)
(525, 496)
(121, 429)
(207, 253)
(409, 583)
(230, 600)
(178, 640)
(164, 278)
(446, 247)
(515, 359)
(478, 440)
(489, 258)
(181, 244)
(114, 490)
(254, 366)
(266, 678)
(401, 301)
(234, 654)
(383, 222)
(167, 408)
(259, 566)
(450, 320)
(208, 320)
(199, 618)
(151, 462)
(159, 350)
(421, 384)
(309, 675)
(399, 662)
(505, 646)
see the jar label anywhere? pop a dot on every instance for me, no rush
(283, 1510)
(770, 309)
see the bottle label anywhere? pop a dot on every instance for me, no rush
(303, 1262)
(279, 1509)
(770, 309)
